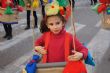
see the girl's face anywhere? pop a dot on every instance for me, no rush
(55, 24)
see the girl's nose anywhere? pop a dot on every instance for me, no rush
(55, 26)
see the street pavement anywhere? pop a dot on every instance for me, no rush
(88, 30)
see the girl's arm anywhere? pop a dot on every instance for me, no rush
(40, 40)
(81, 50)
(39, 45)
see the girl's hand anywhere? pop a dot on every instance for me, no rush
(76, 57)
(41, 49)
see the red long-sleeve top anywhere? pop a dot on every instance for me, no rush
(55, 52)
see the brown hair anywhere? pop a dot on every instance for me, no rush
(0, 3)
(43, 26)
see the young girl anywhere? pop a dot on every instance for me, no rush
(7, 26)
(28, 12)
(55, 51)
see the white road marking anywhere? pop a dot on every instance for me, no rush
(98, 47)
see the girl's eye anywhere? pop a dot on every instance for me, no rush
(51, 24)
(57, 22)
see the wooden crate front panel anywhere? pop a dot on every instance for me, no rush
(51, 70)
(106, 21)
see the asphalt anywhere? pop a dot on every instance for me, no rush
(17, 52)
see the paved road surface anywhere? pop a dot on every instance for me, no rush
(88, 31)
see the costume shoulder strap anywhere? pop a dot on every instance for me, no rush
(46, 40)
(67, 38)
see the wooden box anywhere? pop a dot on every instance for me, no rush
(11, 19)
(106, 21)
(51, 67)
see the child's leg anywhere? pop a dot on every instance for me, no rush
(35, 18)
(28, 19)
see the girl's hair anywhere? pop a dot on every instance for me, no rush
(43, 26)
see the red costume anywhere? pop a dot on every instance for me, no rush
(56, 51)
(105, 1)
(4, 3)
